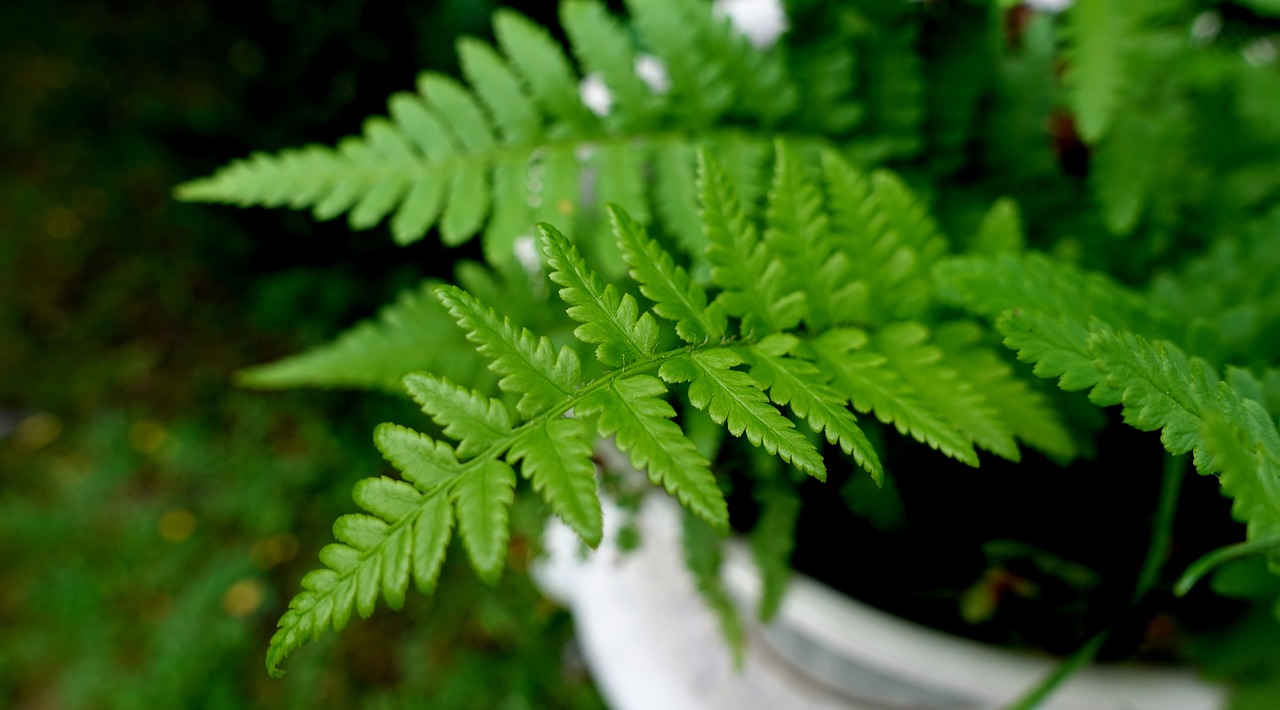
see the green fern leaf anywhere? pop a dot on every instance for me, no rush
(887, 237)
(556, 457)
(1022, 410)
(390, 499)
(631, 409)
(483, 496)
(377, 554)
(989, 286)
(426, 463)
(796, 230)
(772, 542)
(873, 385)
(1001, 230)
(620, 178)
(670, 29)
(1097, 31)
(414, 333)
(459, 111)
(1058, 347)
(500, 91)
(676, 196)
(703, 557)
(603, 45)
(530, 366)
(474, 420)
(801, 385)
(1246, 449)
(544, 66)
(675, 296)
(622, 334)
(753, 282)
(732, 398)
(924, 367)
(1160, 387)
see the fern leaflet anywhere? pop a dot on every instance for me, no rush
(622, 333)
(873, 385)
(530, 366)
(734, 399)
(798, 383)
(923, 366)
(465, 415)
(556, 457)
(413, 333)
(753, 281)
(631, 410)
(675, 296)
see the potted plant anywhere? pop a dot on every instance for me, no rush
(700, 226)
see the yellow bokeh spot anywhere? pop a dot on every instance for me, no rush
(244, 597)
(565, 207)
(62, 223)
(37, 431)
(274, 550)
(147, 436)
(177, 525)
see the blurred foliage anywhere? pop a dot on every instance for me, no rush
(151, 518)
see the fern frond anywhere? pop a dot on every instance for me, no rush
(888, 238)
(1058, 347)
(413, 333)
(603, 44)
(675, 190)
(772, 542)
(630, 410)
(529, 366)
(517, 144)
(1023, 410)
(700, 92)
(424, 462)
(868, 380)
(483, 496)
(407, 538)
(675, 296)
(1001, 230)
(703, 557)
(924, 367)
(1160, 387)
(556, 458)
(796, 230)
(1096, 32)
(754, 283)
(799, 384)
(989, 286)
(465, 415)
(1246, 449)
(613, 323)
(501, 92)
(546, 70)
(734, 399)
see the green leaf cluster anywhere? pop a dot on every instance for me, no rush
(760, 336)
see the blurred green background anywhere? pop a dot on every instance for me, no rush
(153, 519)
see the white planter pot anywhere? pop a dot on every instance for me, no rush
(652, 644)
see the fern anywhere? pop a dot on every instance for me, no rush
(1223, 423)
(511, 148)
(1097, 32)
(414, 333)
